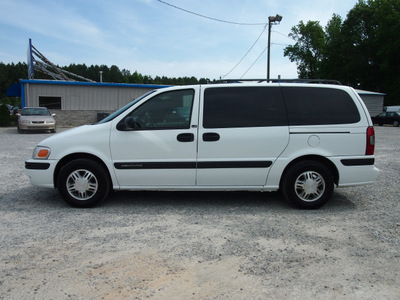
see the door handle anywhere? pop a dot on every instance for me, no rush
(211, 137)
(185, 137)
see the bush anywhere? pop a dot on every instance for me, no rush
(13, 120)
(4, 116)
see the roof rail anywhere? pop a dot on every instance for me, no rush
(297, 80)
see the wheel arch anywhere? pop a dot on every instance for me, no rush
(323, 160)
(65, 160)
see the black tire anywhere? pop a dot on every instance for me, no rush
(396, 123)
(308, 184)
(83, 183)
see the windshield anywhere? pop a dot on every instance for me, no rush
(35, 112)
(124, 108)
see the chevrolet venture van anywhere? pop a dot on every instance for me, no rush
(302, 139)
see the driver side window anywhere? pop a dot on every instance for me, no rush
(170, 110)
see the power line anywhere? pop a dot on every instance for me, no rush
(246, 53)
(254, 62)
(210, 18)
(278, 44)
(283, 34)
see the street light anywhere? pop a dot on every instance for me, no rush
(271, 21)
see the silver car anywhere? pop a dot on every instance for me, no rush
(36, 118)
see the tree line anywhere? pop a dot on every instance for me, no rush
(361, 51)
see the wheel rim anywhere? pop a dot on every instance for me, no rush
(82, 184)
(310, 186)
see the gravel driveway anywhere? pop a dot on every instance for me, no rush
(198, 245)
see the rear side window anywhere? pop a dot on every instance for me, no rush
(243, 107)
(319, 106)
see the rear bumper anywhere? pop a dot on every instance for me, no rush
(356, 171)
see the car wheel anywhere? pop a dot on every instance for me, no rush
(308, 184)
(396, 123)
(83, 183)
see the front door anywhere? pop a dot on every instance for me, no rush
(156, 146)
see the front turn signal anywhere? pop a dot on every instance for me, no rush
(41, 152)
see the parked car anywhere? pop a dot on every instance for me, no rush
(303, 139)
(392, 118)
(36, 118)
(395, 108)
(13, 109)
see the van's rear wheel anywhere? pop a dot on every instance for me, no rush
(83, 183)
(308, 184)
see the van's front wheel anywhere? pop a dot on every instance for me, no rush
(308, 184)
(83, 183)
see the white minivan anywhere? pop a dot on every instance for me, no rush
(303, 139)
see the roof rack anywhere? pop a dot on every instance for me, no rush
(297, 80)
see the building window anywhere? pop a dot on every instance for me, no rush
(50, 102)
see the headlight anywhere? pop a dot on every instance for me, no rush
(41, 152)
(25, 122)
(50, 122)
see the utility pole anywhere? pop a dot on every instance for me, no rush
(271, 21)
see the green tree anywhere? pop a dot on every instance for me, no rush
(387, 46)
(116, 75)
(361, 51)
(333, 54)
(4, 116)
(361, 63)
(307, 52)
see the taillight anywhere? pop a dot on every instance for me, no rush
(370, 149)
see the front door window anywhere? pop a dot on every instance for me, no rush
(171, 110)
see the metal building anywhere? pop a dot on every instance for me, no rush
(373, 101)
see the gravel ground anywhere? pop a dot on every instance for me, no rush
(198, 245)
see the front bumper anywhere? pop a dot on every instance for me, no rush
(37, 126)
(41, 172)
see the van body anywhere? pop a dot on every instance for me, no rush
(301, 138)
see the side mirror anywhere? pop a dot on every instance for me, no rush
(126, 124)
(53, 115)
(130, 122)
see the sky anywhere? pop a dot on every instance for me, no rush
(156, 39)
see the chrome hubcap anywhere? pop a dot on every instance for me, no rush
(82, 184)
(310, 186)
